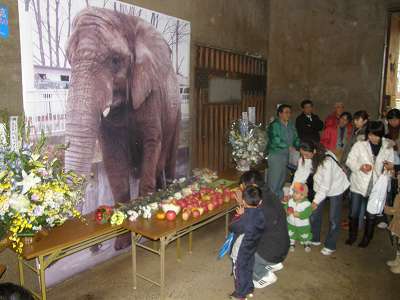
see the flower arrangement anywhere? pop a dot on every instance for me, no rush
(35, 191)
(103, 214)
(146, 206)
(248, 142)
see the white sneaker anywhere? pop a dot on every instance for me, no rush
(267, 280)
(316, 244)
(326, 251)
(382, 225)
(395, 262)
(307, 249)
(274, 268)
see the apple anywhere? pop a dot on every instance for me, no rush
(215, 202)
(196, 213)
(206, 197)
(210, 206)
(205, 207)
(185, 215)
(171, 215)
(201, 210)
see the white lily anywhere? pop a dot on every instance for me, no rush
(28, 181)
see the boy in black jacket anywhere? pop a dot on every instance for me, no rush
(248, 228)
(274, 244)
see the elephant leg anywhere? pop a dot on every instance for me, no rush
(172, 155)
(151, 155)
(115, 148)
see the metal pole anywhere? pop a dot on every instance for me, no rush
(162, 268)
(21, 271)
(133, 238)
(178, 249)
(226, 224)
(42, 278)
(190, 242)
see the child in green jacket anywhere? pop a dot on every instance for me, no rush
(298, 210)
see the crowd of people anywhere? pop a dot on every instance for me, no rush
(342, 161)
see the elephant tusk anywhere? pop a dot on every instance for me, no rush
(106, 112)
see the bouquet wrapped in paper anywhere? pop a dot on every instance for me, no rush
(248, 142)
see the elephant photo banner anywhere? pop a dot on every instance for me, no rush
(112, 81)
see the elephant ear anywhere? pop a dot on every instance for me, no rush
(143, 74)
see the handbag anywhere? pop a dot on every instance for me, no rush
(377, 197)
(226, 247)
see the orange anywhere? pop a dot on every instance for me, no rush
(160, 216)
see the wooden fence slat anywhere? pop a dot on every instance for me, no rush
(212, 58)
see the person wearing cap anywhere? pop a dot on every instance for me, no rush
(298, 210)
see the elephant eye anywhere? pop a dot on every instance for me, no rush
(115, 63)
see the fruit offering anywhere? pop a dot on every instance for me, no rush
(160, 216)
(170, 215)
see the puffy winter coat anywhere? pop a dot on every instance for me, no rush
(329, 179)
(330, 135)
(361, 154)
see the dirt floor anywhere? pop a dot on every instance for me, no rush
(351, 273)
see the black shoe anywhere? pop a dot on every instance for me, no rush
(353, 230)
(368, 232)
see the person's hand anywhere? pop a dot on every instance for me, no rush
(296, 214)
(290, 210)
(388, 165)
(239, 197)
(240, 210)
(314, 205)
(366, 168)
(285, 199)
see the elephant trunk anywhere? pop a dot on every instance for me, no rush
(82, 124)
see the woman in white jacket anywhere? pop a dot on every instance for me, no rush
(330, 183)
(367, 160)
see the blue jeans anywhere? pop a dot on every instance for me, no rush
(335, 210)
(358, 204)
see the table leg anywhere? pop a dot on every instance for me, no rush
(190, 242)
(21, 271)
(178, 249)
(162, 269)
(226, 224)
(42, 278)
(133, 238)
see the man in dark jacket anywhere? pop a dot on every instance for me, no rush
(274, 244)
(308, 125)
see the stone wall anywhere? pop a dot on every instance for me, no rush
(328, 50)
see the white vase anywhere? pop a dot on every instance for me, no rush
(243, 165)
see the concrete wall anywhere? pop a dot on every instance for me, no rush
(10, 64)
(326, 50)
